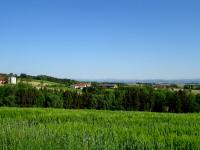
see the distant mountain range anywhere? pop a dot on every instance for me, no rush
(173, 81)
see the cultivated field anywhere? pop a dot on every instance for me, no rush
(90, 129)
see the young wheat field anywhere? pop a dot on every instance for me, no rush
(90, 129)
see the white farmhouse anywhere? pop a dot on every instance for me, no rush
(12, 80)
(81, 85)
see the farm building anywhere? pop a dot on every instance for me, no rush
(12, 80)
(81, 85)
(109, 85)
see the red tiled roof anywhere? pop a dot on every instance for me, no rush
(2, 78)
(82, 84)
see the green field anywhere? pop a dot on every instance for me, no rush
(49, 85)
(40, 83)
(90, 129)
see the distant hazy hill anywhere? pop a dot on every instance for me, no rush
(175, 81)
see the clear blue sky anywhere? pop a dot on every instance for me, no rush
(121, 39)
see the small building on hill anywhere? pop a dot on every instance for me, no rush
(12, 80)
(81, 85)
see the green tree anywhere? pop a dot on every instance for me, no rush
(53, 100)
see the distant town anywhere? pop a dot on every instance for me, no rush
(43, 81)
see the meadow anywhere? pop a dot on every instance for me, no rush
(36, 128)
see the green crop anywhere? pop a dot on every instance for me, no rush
(96, 130)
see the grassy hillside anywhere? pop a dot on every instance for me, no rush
(46, 81)
(42, 83)
(90, 129)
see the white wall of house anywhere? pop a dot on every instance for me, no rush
(81, 86)
(13, 80)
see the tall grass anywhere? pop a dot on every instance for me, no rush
(90, 129)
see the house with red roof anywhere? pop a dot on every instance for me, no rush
(3, 79)
(81, 85)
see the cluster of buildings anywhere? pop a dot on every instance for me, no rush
(13, 80)
(81, 85)
(86, 85)
(8, 80)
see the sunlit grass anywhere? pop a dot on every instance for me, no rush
(90, 129)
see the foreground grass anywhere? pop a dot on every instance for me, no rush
(89, 129)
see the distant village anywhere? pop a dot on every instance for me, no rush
(86, 85)
(12, 79)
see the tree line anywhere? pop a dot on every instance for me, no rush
(123, 98)
(192, 86)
